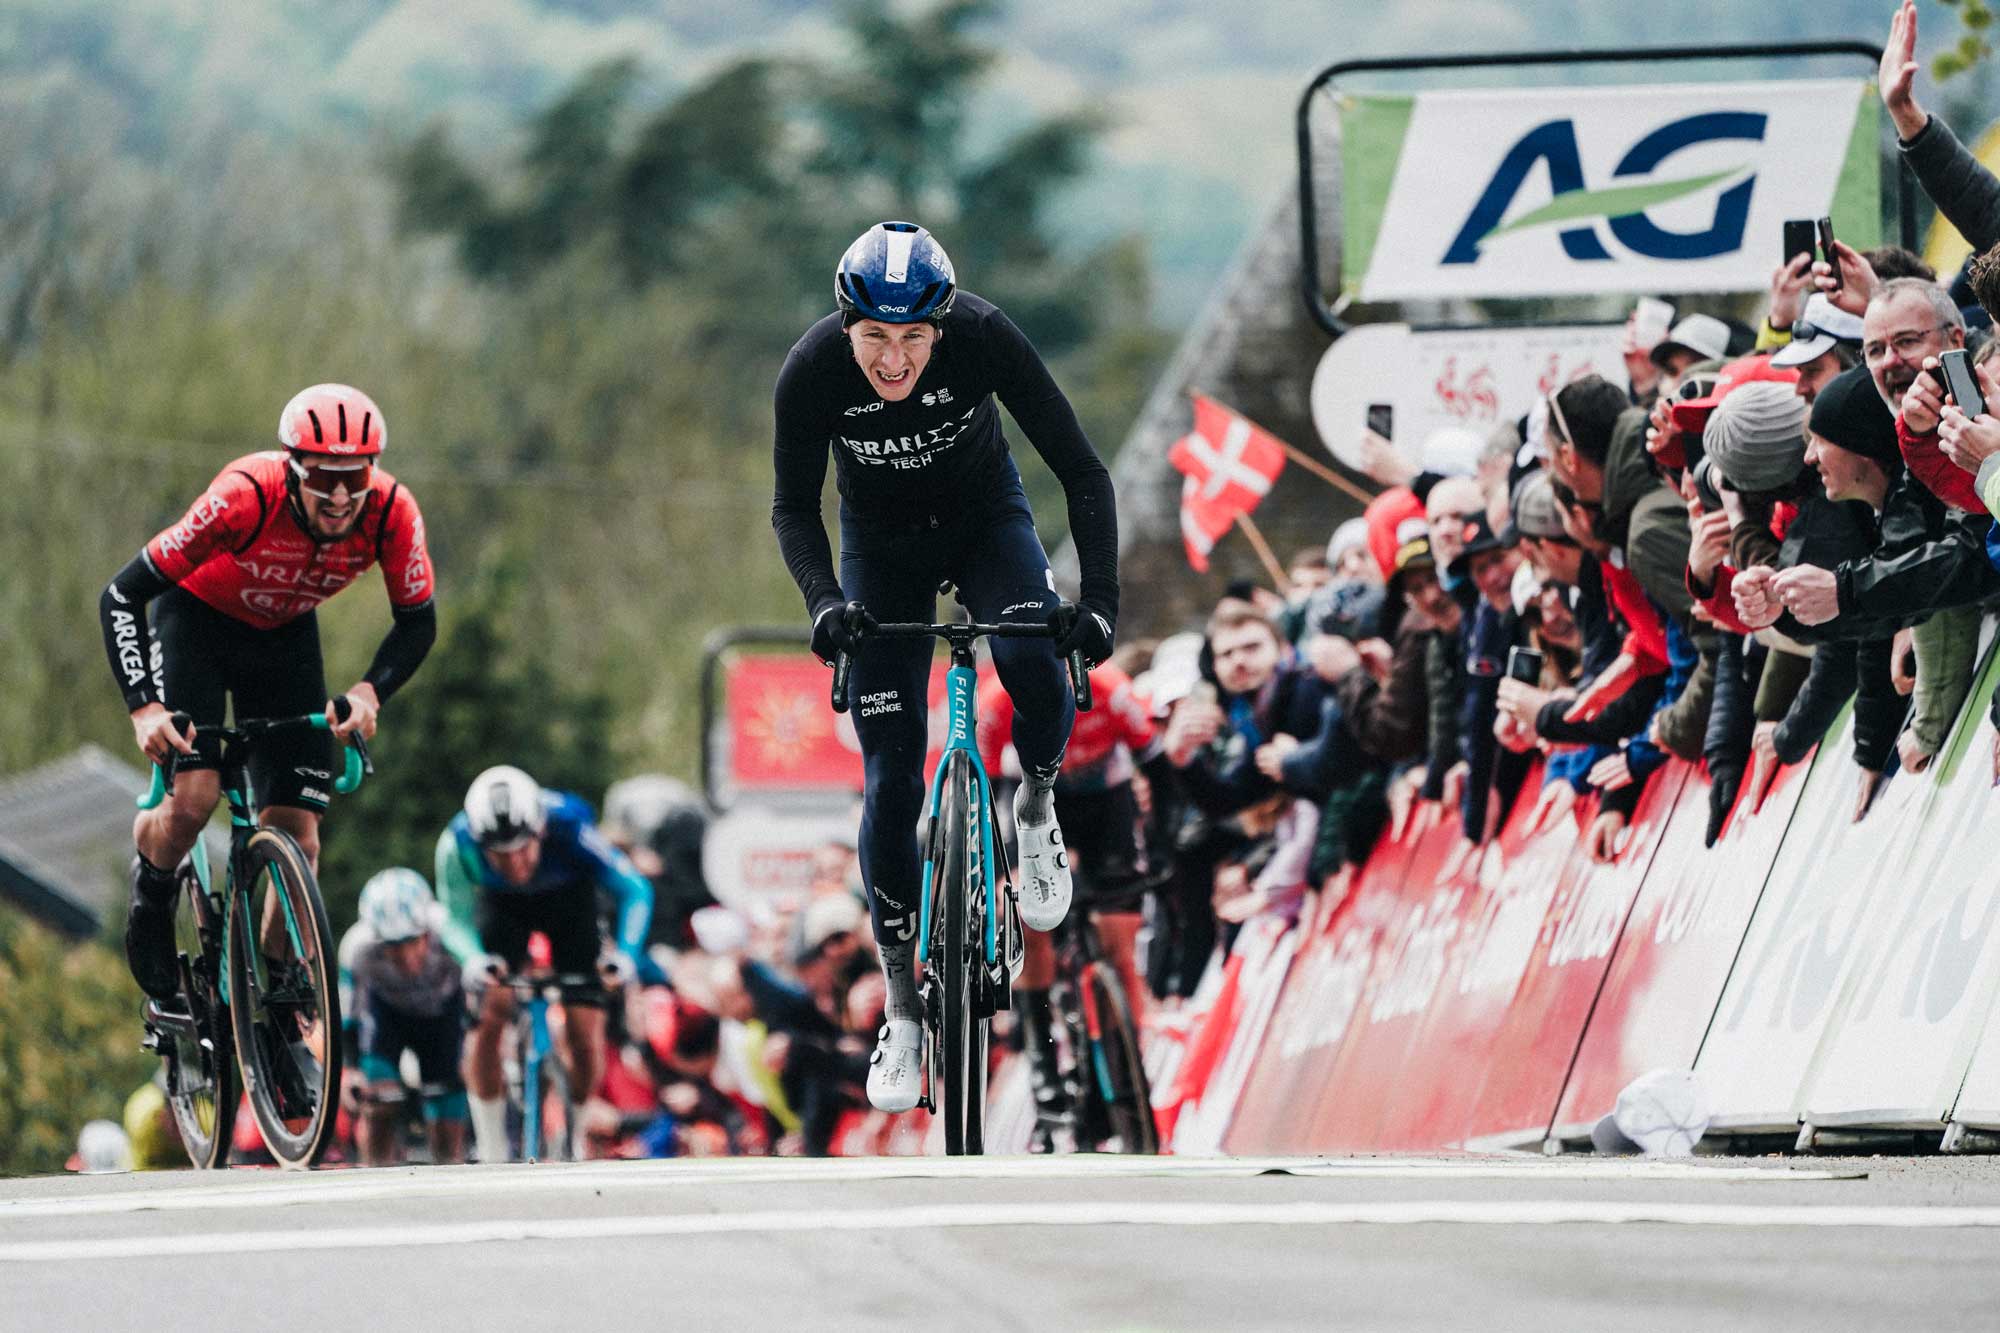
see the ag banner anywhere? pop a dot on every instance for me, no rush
(1542, 192)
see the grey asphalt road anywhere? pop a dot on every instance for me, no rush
(1010, 1243)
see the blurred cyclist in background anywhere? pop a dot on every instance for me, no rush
(517, 860)
(405, 995)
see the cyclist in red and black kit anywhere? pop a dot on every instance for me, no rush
(1096, 804)
(232, 589)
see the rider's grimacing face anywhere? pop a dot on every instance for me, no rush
(892, 356)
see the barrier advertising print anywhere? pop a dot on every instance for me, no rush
(1757, 1061)
(1679, 942)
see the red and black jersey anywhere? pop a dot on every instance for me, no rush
(240, 548)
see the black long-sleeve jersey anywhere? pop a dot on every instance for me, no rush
(938, 453)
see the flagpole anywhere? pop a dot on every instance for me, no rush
(1325, 473)
(1265, 554)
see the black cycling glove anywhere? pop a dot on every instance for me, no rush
(1080, 629)
(838, 628)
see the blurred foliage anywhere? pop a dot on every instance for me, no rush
(69, 1043)
(488, 694)
(573, 334)
(1975, 19)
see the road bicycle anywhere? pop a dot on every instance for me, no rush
(1110, 1102)
(539, 1080)
(969, 944)
(259, 987)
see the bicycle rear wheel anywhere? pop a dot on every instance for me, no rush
(1119, 1073)
(283, 999)
(201, 1070)
(958, 956)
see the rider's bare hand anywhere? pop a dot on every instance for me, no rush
(154, 727)
(363, 706)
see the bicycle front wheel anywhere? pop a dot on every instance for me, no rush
(283, 999)
(960, 957)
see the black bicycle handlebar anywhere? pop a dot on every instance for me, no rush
(958, 633)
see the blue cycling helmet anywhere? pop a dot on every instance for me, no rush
(895, 272)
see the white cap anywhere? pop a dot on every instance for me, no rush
(1665, 1112)
(1452, 451)
(1704, 335)
(103, 1148)
(1829, 325)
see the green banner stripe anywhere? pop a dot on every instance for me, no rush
(1372, 130)
(1857, 197)
(1615, 202)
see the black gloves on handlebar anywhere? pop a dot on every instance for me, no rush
(1080, 629)
(837, 629)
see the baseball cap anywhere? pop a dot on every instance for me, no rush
(1479, 539)
(1818, 331)
(1704, 335)
(1413, 550)
(1533, 511)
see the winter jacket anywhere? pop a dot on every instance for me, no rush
(1389, 719)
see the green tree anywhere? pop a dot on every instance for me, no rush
(488, 694)
(69, 1043)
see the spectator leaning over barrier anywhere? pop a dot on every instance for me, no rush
(1924, 559)
(1598, 453)
(1451, 503)
(1973, 444)
(1487, 563)
(1757, 439)
(1385, 700)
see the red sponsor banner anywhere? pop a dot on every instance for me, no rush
(1485, 944)
(1528, 1061)
(784, 734)
(1348, 1114)
(1315, 1009)
(1263, 953)
(1678, 945)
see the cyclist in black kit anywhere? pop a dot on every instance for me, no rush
(899, 382)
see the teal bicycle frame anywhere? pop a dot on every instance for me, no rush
(961, 683)
(243, 816)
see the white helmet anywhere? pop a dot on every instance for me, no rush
(396, 905)
(504, 806)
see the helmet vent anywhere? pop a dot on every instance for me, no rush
(319, 436)
(342, 409)
(366, 417)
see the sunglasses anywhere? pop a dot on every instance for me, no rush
(321, 480)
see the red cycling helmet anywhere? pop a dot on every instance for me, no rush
(332, 419)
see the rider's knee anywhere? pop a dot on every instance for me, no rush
(181, 817)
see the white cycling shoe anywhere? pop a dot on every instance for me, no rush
(895, 1071)
(1045, 885)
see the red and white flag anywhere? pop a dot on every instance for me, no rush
(1229, 463)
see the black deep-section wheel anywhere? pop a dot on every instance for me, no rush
(1129, 1107)
(284, 1000)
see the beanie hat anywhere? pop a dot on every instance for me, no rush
(1452, 451)
(1757, 436)
(1347, 537)
(1849, 413)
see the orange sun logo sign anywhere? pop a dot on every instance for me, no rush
(784, 726)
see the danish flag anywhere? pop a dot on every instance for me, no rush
(1229, 464)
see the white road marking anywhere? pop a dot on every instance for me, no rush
(932, 1217)
(427, 1182)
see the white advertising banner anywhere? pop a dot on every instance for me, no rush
(1925, 981)
(752, 856)
(1540, 192)
(1812, 920)
(1437, 379)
